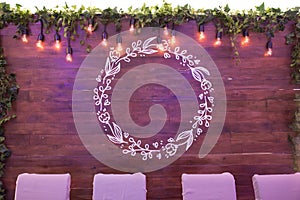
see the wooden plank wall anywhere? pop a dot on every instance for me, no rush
(43, 137)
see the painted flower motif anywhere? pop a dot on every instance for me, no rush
(206, 85)
(171, 149)
(114, 55)
(104, 117)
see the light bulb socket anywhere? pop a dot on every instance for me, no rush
(245, 33)
(269, 45)
(104, 35)
(119, 39)
(24, 31)
(159, 40)
(132, 21)
(219, 35)
(173, 32)
(201, 28)
(69, 50)
(91, 21)
(41, 37)
(57, 37)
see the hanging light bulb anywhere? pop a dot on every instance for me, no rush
(269, 47)
(131, 24)
(201, 32)
(24, 35)
(41, 37)
(173, 38)
(90, 28)
(246, 37)
(69, 50)
(218, 41)
(104, 37)
(159, 43)
(57, 40)
(119, 43)
(166, 31)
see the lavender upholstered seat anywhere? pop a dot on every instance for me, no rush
(276, 186)
(43, 187)
(119, 187)
(208, 186)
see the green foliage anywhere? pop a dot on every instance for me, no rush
(293, 38)
(8, 94)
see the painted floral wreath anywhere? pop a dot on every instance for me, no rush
(130, 145)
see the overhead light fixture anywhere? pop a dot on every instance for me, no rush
(131, 24)
(246, 39)
(41, 37)
(119, 42)
(104, 37)
(69, 50)
(201, 32)
(57, 40)
(218, 41)
(269, 48)
(24, 32)
(90, 27)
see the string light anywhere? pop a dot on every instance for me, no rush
(57, 40)
(119, 42)
(159, 43)
(173, 34)
(90, 27)
(218, 41)
(104, 37)
(201, 32)
(269, 47)
(69, 50)
(246, 39)
(166, 31)
(41, 37)
(131, 24)
(24, 32)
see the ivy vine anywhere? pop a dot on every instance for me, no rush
(70, 19)
(8, 94)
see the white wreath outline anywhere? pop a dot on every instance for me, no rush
(113, 67)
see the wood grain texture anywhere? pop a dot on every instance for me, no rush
(260, 107)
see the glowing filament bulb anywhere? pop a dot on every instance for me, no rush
(201, 32)
(69, 54)
(159, 45)
(131, 29)
(201, 36)
(268, 52)
(57, 44)
(131, 25)
(104, 38)
(39, 44)
(166, 32)
(104, 42)
(24, 38)
(69, 57)
(119, 43)
(90, 28)
(246, 41)
(218, 42)
(269, 47)
(173, 38)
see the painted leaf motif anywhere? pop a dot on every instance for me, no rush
(147, 42)
(184, 135)
(113, 139)
(188, 135)
(118, 133)
(107, 67)
(197, 73)
(114, 70)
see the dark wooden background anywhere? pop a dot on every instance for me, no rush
(260, 106)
